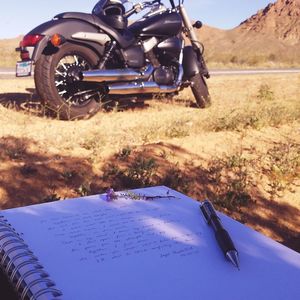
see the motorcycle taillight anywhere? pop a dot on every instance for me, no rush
(30, 40)
(25, 55)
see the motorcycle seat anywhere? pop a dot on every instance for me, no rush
(124, 37)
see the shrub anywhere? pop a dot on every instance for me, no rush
(231, 180)
(265, 93)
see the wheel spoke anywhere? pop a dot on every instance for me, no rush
(68, 100)
(76, 60)
(59, 73)
(58, 83)
(64, 66)
(62, 93)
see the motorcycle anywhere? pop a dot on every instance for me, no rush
(82, 61)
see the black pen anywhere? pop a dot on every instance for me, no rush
(222, 236)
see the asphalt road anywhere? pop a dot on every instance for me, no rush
(254, 71)
(11, 72)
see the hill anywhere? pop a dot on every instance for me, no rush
(280, 20)
(270, 37)
(8, 55)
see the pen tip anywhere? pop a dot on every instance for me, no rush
(233, 257)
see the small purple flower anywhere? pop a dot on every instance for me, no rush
(110, 195)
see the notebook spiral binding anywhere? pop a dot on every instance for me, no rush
(15, 257)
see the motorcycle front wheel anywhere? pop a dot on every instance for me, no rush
(200, 91)
(57, 87)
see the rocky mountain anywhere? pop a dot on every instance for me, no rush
(280, 19)
(271, 35)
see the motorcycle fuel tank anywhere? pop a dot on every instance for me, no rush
(166, 24)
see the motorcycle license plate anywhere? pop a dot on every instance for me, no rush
(23, 68)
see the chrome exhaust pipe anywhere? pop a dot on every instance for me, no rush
(140, 87)
(117, 75)
(148, 87)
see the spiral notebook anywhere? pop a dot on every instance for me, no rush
(150, 243)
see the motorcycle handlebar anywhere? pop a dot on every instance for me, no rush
(130, 12)
(139, 7)
(150, 3)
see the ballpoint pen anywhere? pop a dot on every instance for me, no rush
(222, 236)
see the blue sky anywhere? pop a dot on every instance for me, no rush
(18, 17)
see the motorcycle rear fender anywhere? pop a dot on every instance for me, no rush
(191, 65)
(67, 28)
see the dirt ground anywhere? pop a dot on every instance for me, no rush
(243, 152)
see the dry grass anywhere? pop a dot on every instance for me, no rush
(8, 55)
(243, 152)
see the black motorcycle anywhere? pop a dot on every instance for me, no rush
(85, 60)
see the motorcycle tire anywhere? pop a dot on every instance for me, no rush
(45, 77)
(200, 91)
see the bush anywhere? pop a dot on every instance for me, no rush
(265, 93)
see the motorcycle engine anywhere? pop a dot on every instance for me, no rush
(164, 75)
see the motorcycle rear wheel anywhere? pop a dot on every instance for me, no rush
(200, 91)
(59, 92)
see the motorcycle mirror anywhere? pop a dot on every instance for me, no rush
(198, 24)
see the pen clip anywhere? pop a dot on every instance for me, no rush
(204, 213)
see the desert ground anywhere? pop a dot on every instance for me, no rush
(243, 152)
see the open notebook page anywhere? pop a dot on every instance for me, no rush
(159, 249)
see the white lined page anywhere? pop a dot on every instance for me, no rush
(159, 249)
